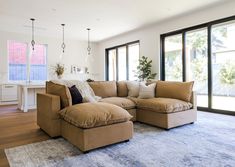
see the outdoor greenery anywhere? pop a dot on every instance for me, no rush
(198, 66)
(227, 73)
(144, 71)
(198, 51)
(174, 64)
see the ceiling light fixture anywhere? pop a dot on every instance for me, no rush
(88, 42)
(63, 44)
(32, 42)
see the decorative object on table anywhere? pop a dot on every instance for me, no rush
(63, 43)
(59, 70)
(86, 70)
(75, 69)
(90, 80)
(144, 71)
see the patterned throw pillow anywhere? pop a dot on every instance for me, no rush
(76, 95)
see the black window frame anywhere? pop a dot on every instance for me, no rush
(127, 59)
(208, 26)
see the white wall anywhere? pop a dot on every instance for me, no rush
(75, 53)
(150, 36)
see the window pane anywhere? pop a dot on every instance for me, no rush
(122, 63)
(112, 64)
(196, 64)
(17, 59)
(38, 63)
(223, 66)
(133, 53)
(173, 58)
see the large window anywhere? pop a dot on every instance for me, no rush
(26, 65)
(204, 54)
(196, 63)
(173, 58)
(223, 66)
(122, 62)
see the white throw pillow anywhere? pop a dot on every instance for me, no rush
(147, 92)
(89, 99)
(133, 88)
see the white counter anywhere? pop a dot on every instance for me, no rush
(27, 95)
(8, 93)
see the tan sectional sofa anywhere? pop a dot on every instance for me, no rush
(165, 110)
(93, 125)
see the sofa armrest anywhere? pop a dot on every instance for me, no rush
(48, 119)
(194, 99)
(48, 105)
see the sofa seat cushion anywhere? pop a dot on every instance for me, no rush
(120, 101)
(163, 105)
(90, 115)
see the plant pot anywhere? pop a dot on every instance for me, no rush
(59, 76)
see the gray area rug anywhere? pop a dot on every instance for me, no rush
(209, 142)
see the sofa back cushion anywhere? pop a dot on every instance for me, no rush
(59, 90)
(122, 90)
(175, 90)
(104, 88)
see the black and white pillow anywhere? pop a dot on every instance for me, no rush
(75, 94)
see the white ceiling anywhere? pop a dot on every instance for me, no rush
(106, 18)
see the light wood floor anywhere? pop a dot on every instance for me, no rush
(17, 128)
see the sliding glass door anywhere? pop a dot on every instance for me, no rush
(112, 61)
(223, 66)
(204, 54)
(173, 58)
(196, 64)
(122, 62)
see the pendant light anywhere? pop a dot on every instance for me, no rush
(63, 44)
(89, 57)
(88, 42)
(32, 41)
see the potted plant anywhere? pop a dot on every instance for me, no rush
(144, 71)
(59, 70)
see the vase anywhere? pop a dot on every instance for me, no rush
(59, 76)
